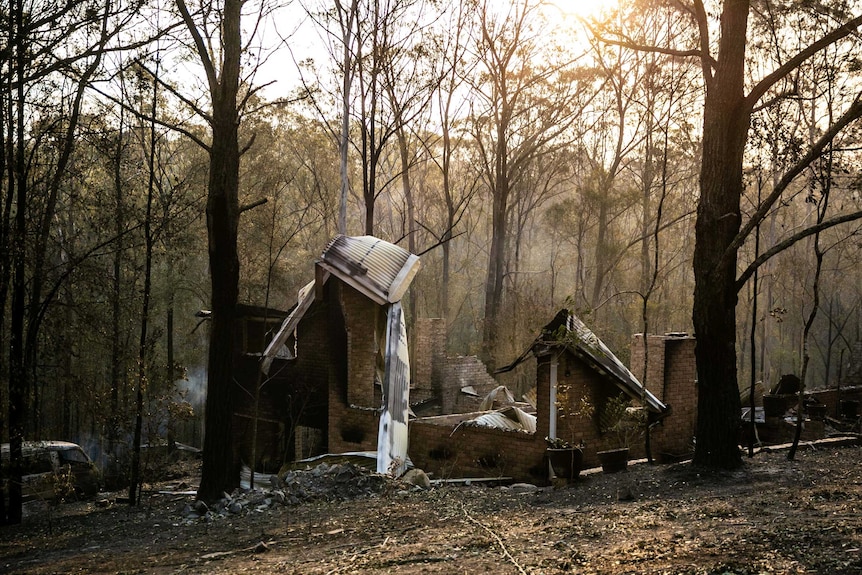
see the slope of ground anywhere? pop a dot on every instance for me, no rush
(771, 516)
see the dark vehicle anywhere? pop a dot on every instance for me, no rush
(52, 470)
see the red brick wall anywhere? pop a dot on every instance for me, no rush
(354, 403)
(462, 371)
(351, 428)
(365, 325)
(314, 353)
(583, 381)
(476, 452)
(428, 354)
(543, 397)
(671, 376)
(482, 452)
(320, 359)
(446, 452)
(654, 379)
(678, 430)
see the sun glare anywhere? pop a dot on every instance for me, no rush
(581, 8)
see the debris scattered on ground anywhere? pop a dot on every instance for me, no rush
(336, 482)
(770, 516)
(418, 478)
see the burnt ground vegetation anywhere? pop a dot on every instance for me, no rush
(770, 516)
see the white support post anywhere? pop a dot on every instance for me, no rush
(552, 424)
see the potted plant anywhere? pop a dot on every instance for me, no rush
(566, 457)
(619, 424)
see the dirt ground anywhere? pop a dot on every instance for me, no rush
(772, 516)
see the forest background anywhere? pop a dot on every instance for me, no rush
(536, 160)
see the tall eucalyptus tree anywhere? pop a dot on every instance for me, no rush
(217, 39)
(737, 85)
(526, 99)
(719, 232)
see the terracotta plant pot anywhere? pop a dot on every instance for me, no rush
(614, 460)
(566, 462)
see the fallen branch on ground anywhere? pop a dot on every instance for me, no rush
(495, 536)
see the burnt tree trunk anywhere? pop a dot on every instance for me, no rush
(5, 259)
(134, 486)
(18, 380)
(725, 129)
(220, 470)
(499, 234)
(496, 265)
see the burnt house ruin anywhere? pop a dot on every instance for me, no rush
(566, 356)
(336, 379)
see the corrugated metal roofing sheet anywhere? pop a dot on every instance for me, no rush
(380, 270)
(590, 347)
(375, 267)
(566, 330)
(509, 418)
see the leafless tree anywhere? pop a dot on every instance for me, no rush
(524, 107)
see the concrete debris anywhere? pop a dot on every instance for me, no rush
(418, 478)
(336, 482)
(330, 482)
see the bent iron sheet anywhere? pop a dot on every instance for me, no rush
(392, 436)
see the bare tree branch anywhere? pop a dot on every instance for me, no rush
(626, 42)
(707, 63)
(206, 61)
(783, 245)
(853, 113)
(766, 83)
(252, 205)
(176, 93)
(141, 116)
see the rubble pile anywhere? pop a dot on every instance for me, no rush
(337, 482)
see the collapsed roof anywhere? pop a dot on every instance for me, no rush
(376, 268)
(567, 331)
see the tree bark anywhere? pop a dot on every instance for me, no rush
(725, 130)
(497, 251)
(220, 471)
(18, 381)
(347, 83)
(5, 260)
(117, 371)
(134, 484)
